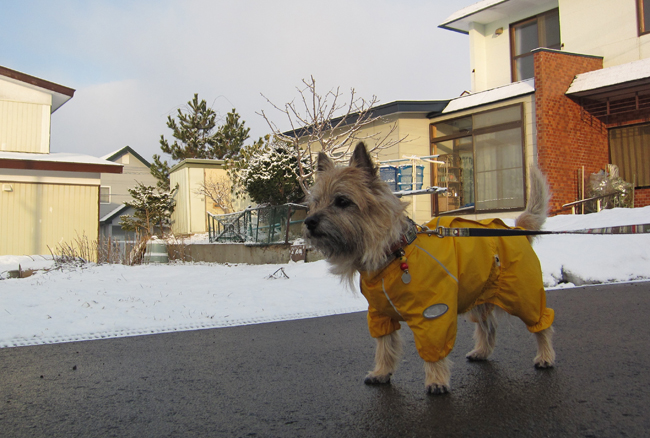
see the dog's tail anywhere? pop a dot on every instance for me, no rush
(536, 210)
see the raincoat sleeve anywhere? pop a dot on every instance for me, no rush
(381, 324)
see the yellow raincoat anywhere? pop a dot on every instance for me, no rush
(459, 273)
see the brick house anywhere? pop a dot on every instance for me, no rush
(563, 84)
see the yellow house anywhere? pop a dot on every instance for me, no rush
(409, 120)
(191, 176)
(45, 199)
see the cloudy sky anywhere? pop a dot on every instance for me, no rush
(134, 62)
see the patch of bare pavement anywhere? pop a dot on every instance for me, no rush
(305, 378)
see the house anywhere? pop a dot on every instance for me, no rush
(46, 199)
(408, 121)
(190, 177)
(114, 190)
(562, 84)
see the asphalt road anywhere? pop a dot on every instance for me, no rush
(305, 378)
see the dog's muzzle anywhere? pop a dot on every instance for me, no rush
(311, 222)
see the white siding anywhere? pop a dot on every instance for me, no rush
(24, 119)
(606, 28)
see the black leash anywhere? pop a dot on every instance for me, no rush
(497, 232)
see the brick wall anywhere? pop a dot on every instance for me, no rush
(642, 197)
(567, 139)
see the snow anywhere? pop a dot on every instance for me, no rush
(489, 96)
(106, 301)
(62, 157)
(609, 76)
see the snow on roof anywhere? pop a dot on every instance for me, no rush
(489, 96)
(605, 77)
(61, 157)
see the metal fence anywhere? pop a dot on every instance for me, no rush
(259, 225)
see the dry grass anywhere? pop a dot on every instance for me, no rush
(82, 251)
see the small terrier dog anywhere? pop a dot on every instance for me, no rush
(409, 275)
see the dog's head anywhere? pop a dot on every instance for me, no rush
(354, 218)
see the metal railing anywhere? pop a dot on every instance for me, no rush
(259, 225)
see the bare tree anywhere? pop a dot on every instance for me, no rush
(329, 123)
(219, 191)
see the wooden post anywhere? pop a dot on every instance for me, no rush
(582, 194)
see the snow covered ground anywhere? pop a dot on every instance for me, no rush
(107, 301)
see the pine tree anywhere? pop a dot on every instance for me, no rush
(197, 136)
(153, 208)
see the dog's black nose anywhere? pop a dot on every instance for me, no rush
(311, 222)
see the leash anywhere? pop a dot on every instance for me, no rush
(498, 232)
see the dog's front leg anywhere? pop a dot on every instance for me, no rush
(389, 349)
(545, 354)
(437, 376)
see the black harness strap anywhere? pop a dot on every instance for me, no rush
(497, 232)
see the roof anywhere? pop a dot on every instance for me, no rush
(197, 162)
(120, 152)
(60, 94)
(493, 95)
(488, 11)
(612, 80)
(116, 212)
(425, 107)
(65, 162)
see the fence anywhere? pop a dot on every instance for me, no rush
(259, 225)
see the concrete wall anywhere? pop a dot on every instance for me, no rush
(239, 253)
(24, 119)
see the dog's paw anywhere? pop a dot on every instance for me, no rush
(476, 356)
(543, 364)
(372, 379)
(437, 389)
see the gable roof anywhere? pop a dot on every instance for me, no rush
(118, 211)
(60, 94)
(120, 152)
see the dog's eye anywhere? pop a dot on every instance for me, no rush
(342, 202)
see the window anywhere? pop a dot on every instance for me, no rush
(484, 160)
(525, 36)
(105, 195)
(643, 15)
(629, 149)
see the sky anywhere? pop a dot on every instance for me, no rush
(134, 63)
(107, 301)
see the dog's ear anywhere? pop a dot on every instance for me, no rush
(360, 158)
(324, 163)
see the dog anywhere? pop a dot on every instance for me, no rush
(408, 275)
